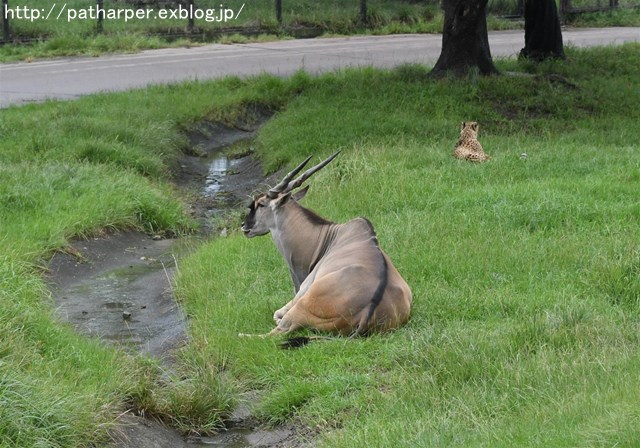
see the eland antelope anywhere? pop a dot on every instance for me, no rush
(344, 283)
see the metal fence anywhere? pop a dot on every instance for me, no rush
(188, 17)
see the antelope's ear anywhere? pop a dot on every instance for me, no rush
(298, 195)
(280, 200)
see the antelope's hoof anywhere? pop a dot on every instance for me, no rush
(278, 315)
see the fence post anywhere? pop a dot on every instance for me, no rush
(192, 23)
(5, 21)
(565, 7)
(100, 6)
(279, 11)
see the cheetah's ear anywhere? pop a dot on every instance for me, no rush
(462, 127)
(475, 127)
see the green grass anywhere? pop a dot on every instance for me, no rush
(524, 272)
(619, 17)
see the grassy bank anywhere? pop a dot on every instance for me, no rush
(524, 270)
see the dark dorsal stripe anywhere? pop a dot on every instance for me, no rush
(378, 294)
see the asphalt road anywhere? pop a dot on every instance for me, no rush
(69, 78)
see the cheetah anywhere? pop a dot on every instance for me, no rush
(468, 146)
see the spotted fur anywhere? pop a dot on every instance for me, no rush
(468, 146)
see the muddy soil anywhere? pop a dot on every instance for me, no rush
(117, 287)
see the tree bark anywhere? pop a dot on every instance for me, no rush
(542, 34)
(465, 43)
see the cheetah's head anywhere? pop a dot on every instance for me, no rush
(470, 127)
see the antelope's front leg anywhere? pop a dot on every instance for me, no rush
(279, 314)
(285, 324)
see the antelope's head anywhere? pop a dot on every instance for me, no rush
(261, 218)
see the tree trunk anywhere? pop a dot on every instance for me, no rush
(542, 34)
(465, 43)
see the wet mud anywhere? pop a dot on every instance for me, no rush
(118, 287)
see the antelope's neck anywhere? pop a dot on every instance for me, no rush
(302, 242)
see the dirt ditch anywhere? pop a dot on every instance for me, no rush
(117, 287)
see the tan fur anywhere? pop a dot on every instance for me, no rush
(468, 146)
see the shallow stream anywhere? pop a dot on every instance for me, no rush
(118, 287)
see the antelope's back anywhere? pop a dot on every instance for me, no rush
(366, 279)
